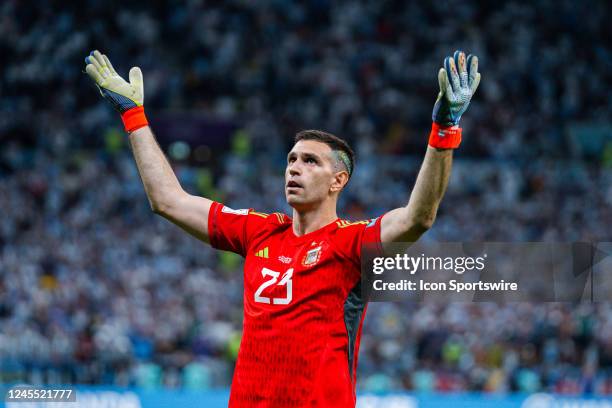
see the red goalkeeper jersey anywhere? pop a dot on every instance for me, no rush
(303, 309)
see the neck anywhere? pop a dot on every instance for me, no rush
(307, 221)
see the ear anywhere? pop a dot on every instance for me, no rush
(339, 181)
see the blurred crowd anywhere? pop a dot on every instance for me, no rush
(94, 288)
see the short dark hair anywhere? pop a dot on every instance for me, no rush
(339, 146)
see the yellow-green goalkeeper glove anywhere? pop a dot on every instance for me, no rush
(458, 82)
(126, 97)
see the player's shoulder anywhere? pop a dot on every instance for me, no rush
(275, 218)
(267, 225)
(361, 224)
(342, 224)
(349, 236)
(257, 223)
(353, 227)
(267, 218)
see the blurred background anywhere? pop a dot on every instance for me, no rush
(96, 289)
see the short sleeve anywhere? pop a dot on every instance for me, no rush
(353, 237)
(232, 230)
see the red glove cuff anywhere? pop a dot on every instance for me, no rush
(134, 119)
(445, 137)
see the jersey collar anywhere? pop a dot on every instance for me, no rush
(297, 240)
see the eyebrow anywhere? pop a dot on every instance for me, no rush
(306, 155)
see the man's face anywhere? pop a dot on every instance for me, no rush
(309, 174)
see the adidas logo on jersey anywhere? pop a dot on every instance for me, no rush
(263, 253)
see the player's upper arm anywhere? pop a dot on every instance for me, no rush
(398, 226)
(190, 213)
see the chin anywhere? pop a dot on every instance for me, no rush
(292, 200)
(296, 202)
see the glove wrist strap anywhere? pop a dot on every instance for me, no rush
(445, 137)
(134, 119)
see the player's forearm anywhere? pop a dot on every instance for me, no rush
(163, 189)
(160, 182)
(429, 188)
(458, 81)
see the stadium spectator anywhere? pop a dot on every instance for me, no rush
(76, 230)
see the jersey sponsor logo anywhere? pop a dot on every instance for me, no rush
(285, 259)
(228, 210)
(263, 253)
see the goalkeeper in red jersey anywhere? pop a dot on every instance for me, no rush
(303, 308)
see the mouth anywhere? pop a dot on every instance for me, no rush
(293, 185)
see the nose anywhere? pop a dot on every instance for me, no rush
(293, 169)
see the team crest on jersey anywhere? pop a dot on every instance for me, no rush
(312, 255)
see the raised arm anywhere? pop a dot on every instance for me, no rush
(166, 196)
(457, 86)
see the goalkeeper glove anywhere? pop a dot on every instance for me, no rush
(458, 81)
(126, 97)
